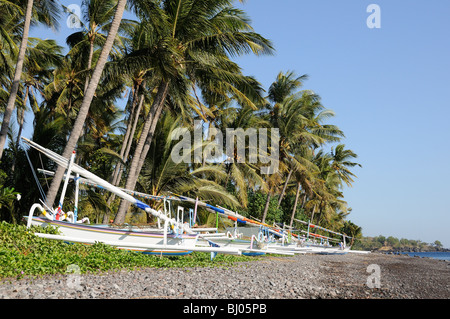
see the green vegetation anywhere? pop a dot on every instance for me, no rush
(168, 68)
(24, 254)
(382, 243)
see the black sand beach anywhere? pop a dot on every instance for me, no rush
(351, 276)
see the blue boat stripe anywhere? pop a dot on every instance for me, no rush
(141, 205)
(215, 209)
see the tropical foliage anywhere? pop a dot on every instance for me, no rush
(391, 243)
(171, 67)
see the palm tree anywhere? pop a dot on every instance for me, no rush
(284, 86)
(45, 12)
(103, 119)
(161, 175)
(341, 161)
(304, 177)
(141, 80)
(242, 175)
(351, 230)
(88, 96)
(192, 33)
(66, 88)
(307, 132)
(10, 27)
(299, 116)
(16, 81)
(327, 198)
(97, 18)
(333, 172)
(41, 59)
(288, 115)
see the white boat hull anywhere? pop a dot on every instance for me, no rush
(247, 247)
(294, 248)
(132, 240)
(329, 250)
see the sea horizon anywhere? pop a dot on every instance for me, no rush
(440, 255)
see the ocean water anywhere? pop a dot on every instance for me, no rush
(441, 255)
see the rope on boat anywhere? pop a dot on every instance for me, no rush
(60, 160)
(41, 190)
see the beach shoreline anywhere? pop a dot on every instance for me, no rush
(350, 276)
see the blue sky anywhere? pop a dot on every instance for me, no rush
(389, 89)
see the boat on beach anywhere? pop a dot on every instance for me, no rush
(154, 243)
(175, 238)
(173, 235)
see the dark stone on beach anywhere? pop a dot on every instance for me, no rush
(298, 277)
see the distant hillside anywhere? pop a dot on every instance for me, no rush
(382, 243)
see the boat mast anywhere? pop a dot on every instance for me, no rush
(77, 189)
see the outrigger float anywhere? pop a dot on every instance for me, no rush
(174, 236)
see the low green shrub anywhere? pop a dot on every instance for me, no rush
(24, 254)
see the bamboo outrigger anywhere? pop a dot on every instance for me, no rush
(175, 237)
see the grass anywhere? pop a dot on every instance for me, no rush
(24, 254)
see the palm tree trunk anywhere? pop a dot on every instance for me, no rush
(21, 116)
(312, 215)
(304, 201)
(148, 141)
(20, 120)
(16, 81)
(266, 207)
(284, 187)
(133, 128)
(85, 105)
(89, 66)
(115, 176)
(128, 144)
(133, 172)
(295, 205)
(228, 168)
